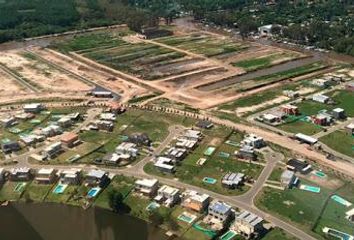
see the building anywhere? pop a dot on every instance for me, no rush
(268, 30)
(140, 139)
(101, 94)
(97, 178)
(25, 116)
(8, 122)
(115, 107)
(71, 176)
(205, 124)
(165, 164)
(46, 176)
(52, 150)
(339, 113)
(65, 122)
(114, 158)
(176, 154)
(51, 131)
(20, 174)
(70, 139)
(147, 186)
(8, 146)
(232, 180)
(167, 195)
(350, 128)
(321, 98)
(127, 148)
(31, 139)
(288, 179)
(191, 134)
(306, 139)
(350, 215)
(323, 119)
(246, 152)
(220, 211)
(195, 201)
(291, 94)
(248, 225)
(186, 143)
(108, 117)
(253, 140)
(323, 82)
(104, 125)
(297, 165)
(33, 108)
(290, 109)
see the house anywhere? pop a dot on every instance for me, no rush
(30, 139)
(321, 98)
(248, 225)
(98, 178)
(140, 139)
(186, 143)
(20, 174)
(219, 214)
(290, 109)
(350, 215)
(338, 113)
(176, 154)
(114, 158)
(127, 148)
(246, 152)
(33, 108)
(323, 119)
(65, 122)
(291, 94)
(205, 124)
(195, 201)
(297, 165)
(155, 32)
(104, 125)
(305, 138)
(193, 134)
(9, 146)
(70, 139)
(232, 180)
(350, 128)
(46, 176)
(115, 107)
(8, 122)
(71, 176)
(165, 164)
(266, 30)
(76, 116)
(2, 175)
(25, 116)
(323, 82)
(51, 130)
(288, 179)
(101, 94)
(108, 117)
(167, 195)
(253, 140)
(147, 186)
(52, 150)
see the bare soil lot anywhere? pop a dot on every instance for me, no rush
(9, 86)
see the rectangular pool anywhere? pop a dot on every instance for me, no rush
(93, 192)
(341, 200)
(60, 188)
(187, 217)
(209, 180)
(310, 188)
(209, 151)
(228, 235)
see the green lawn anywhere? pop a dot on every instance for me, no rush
(276, 173)
(278, 234)
(307, 128)
(37, 192)
(345, 145)
(8, 193)
(61, 198)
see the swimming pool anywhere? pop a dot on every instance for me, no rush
(93, 192)
(60, 188)
(228, 235)
(152, 206)
(337, 234)
(19, 187)
(209, 151)
(319, 174)
(224, 154)
(187, 217)
(341, 200)
(310, 188)
(209, 180)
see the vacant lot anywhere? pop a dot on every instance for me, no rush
(340, 141)
(9, 85)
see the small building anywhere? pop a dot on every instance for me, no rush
(71, 176)
(205, 124)
(323, 82)
(297, 165)
(24, 116)
(220, 211)
(290, 109)
(196, 201)
(20, 174)
(8, 122)
(101, 94)
(114, 158)
(291, 94)
(323, 119)
(33, 108)
(186, 143)
(350, 215)
(52, 150)
(288, 179)
(10, 146)
(321, 98)
(51, 131)
(167, 195)
(350, 128)
(177, 154)
(253, 140)
(70, 139)
(233, 180)
(76, 116)
(108, 117)
(248, 225)
(46, 176)
(65, 122)
(246, 152)
(127, 148)
(115, 107)
(140, 139)
(98, 178)
(165, 164)
(339, 113)
(267, 30)
(193, 134)
(306, 139)
(105, 125)
(147, 186)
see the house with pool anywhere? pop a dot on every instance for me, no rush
(219, 215)
(97, 177)
(167, 195)
(247, 224)
(20, 174)
(195, 201)
(45, 176)
(147, 187)
(71, 176)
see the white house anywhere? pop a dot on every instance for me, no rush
(247, 224)
(253, 141)
(147, 186)
(167, 195)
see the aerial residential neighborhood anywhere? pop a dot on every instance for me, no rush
(193, 120)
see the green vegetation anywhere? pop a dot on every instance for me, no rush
(278, 233)
(300, 126)
(37, 192)
(345, 145)
(8, 193)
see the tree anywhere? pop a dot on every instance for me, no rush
(115, 201)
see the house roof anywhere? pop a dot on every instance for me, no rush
(219, 207)
(69, 137)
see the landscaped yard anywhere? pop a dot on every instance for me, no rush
(299, 126)
(37, 192)
(345, 145)
(12, 191)
(62, 197)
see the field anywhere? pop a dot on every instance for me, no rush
(10, 86)
(344, 146)
(8, 193)
(215, 167)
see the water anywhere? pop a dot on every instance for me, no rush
(57, 222)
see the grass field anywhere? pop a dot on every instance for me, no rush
(8, 193)
(345, 145)
(37, 192)
(278, 234)
(63, 197)
(307, 128)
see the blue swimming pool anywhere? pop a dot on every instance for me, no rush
(310, 188)
(60, 188)
(93, 192)
(209, 180)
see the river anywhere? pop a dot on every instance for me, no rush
(47, 221)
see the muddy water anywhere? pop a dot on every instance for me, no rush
(61, 222)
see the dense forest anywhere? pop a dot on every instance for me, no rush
(325, 24)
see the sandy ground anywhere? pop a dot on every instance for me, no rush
(9, 86)
(41, 73)
(277, 100)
